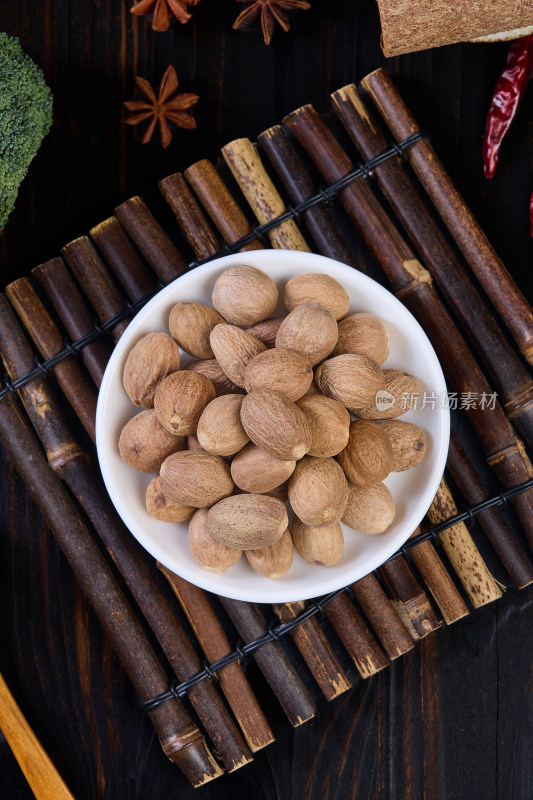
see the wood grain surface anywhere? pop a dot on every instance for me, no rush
(453, 717)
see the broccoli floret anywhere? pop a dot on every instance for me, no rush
(25, 118)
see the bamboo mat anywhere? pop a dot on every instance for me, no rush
(296, 188)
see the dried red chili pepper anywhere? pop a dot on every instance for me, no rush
(508, 94)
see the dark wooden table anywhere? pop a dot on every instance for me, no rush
(453, 719)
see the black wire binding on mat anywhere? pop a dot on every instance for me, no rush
(276, 631)
(324, 195)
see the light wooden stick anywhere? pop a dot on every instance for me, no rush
(45, 781)
(261, 194)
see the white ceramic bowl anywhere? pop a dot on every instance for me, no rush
(413, 490)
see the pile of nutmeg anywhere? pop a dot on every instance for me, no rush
(264, 416)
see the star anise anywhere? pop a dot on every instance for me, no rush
(162, 10)
(162, 109)
(270, 10)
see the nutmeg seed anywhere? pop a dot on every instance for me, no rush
(318, 491)
(367, 458)
(274, 560)
(208, 552)
(162, 507)
(195, 479)
(180, 399)
(144, 444)
(212, 370)
(285, 371)
(276, 424)
(255, 470)
(321, 546)
(369, 510)
(311, 330)
(316, 288)
(191, 324)
(351, 379)
(247, 521)
(330, 424)
(408, 443)
(234, 349)
(266, 331)
(245, 295)
(365, 334)
(220, 429)
(154, 357)
(399, 393)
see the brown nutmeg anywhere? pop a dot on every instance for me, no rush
(330, 424)
(266, 331)
(351, 379)
(247, 521)
(274, 560)
(180, 399)
(212, 370)
(317, 288)
(365, 334)
(234, 349)
(255, 470)
(280, 492)
(399, 393)
(162, 507)
(369, 510)
(213, 556)
(286, 371)
(276, 424)
(245, 295)
(311, 330)
(408, 443)
(195, 479)
(219, 428)
(318, 491)
(191, 324)
(321, 546)
(367, 458)
(154, 357)
(144, 444)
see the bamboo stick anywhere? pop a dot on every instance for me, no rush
(412, 284)
(152, 241)
(72, 379)
(118, 252)
(380, 613)
(190, 218)
(315, 649)
(44, 780)
(438, 581)
(498, 532)
(220, 204)
(93, 278)
(300, 187)
(409, 600)
(502, 363)
(462, 553)
(485, 263)
(66, 457)
(355, 636)
(67, 301)
(272, 662)
(180, 738)
(261, 194)
(215, 645)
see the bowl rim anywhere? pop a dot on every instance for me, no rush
(325, 575)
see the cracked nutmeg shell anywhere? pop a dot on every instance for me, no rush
(154, 357)
(247, 521)
(351, 379)
(367, 458)
(245, 295)
(276, 424)
(195, 479)
(318, 491)
(180, 399)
